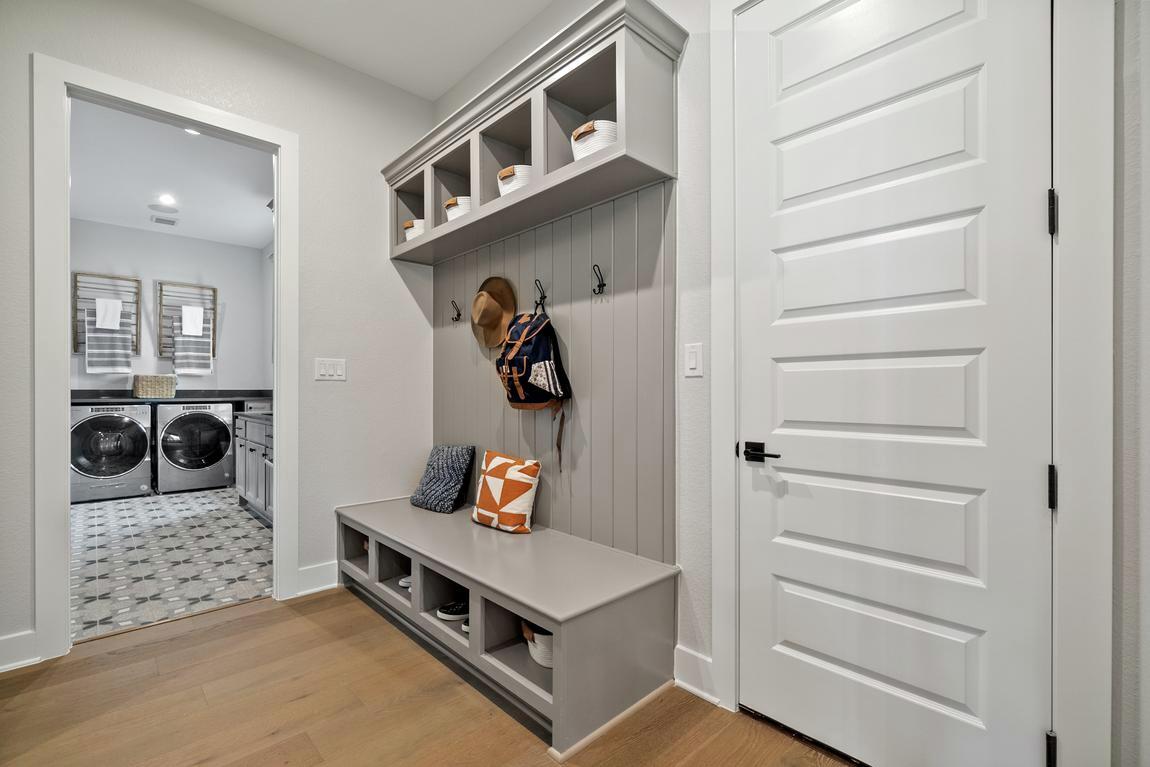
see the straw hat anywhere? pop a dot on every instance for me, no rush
(492, 311)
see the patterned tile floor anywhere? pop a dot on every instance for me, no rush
(141, 560)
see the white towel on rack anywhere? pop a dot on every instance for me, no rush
(191, 356)
(108, 313)
(106, 351)
(193, 320)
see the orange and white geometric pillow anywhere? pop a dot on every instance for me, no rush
(506, 492)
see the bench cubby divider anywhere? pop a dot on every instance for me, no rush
(612, 614)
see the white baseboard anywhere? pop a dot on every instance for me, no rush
(18, 650)
(693, 673)
(319, 577)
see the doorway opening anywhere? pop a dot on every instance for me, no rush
(172, 376)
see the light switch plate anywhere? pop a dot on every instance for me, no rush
(694, 364)
(330, 369)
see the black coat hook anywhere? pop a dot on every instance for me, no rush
(598, 289)
(458, 313)
(539, 302)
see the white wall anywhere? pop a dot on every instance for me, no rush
(363, 439)
(1131, 744)
(243, 338)
(693, 471)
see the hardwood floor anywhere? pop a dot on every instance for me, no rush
(321, 680)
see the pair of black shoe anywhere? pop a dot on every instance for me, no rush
(456, 611)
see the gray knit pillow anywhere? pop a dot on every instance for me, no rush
(444, 484)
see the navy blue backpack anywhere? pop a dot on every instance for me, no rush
(531, 369)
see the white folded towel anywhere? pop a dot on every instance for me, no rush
(193, 320)
(108, 313)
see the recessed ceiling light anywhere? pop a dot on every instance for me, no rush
(166, 199)
(191, 131)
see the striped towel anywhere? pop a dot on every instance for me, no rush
(192, 355)
(107, 351)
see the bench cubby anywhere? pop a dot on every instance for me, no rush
(437, 590)
(391, 566)
(586, 93)
(612, 614)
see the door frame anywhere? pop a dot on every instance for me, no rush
(54, 82)
(1083, 354)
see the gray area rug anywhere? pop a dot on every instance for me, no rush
(141, 560)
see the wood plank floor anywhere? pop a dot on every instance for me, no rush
(320, 680)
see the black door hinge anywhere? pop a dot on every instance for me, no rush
(736, 449)
(1052, 487)
(1051, 749)
(1052, 211)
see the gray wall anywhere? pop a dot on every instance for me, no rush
(1132, 395)
(616, 486)
(693, 281)
(363, 439)
(243, 337)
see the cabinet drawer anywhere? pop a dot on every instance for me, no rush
(255, 432)
(241, 427)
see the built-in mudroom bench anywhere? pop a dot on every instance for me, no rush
(555, 184)
(612, 614)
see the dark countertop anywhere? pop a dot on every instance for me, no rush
(121, 396)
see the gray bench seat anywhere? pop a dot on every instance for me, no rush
(612, 613)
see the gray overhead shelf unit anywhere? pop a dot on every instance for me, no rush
(612, 613)
(616, 63)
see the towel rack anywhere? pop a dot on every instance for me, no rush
(171, 297)
(87, 287)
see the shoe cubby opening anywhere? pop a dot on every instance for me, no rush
(437, 591)
(587, 93)
(505, 645)
(354, 547)
(506, 143)
(451, 177)
(409, 204)
(391, 568)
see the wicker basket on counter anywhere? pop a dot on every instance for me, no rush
(154, 387)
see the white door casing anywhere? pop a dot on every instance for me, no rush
(894, 345)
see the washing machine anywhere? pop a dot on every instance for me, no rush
(194, 447)
(111, 452)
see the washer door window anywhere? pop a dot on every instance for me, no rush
(195, 441)
(107, 446)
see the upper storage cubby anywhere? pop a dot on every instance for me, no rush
(576, 101)
(451, 183)
(408, 209)
(608, 79)
(505, 154)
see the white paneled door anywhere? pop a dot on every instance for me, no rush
(894, 288)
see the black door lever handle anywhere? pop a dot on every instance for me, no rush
(755, 452)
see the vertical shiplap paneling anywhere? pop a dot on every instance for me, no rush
(617, 484)
(560, 291)
(544, 444)
(602, 383)
(670, 368)
(579, 371)
(460, 354)
(527, 278)
(511, 444)
(481, 393)
(439, 356)
(624, 431)
(474, 400)
(495, 394)
(650, 358)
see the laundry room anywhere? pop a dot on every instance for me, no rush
(172, 250)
